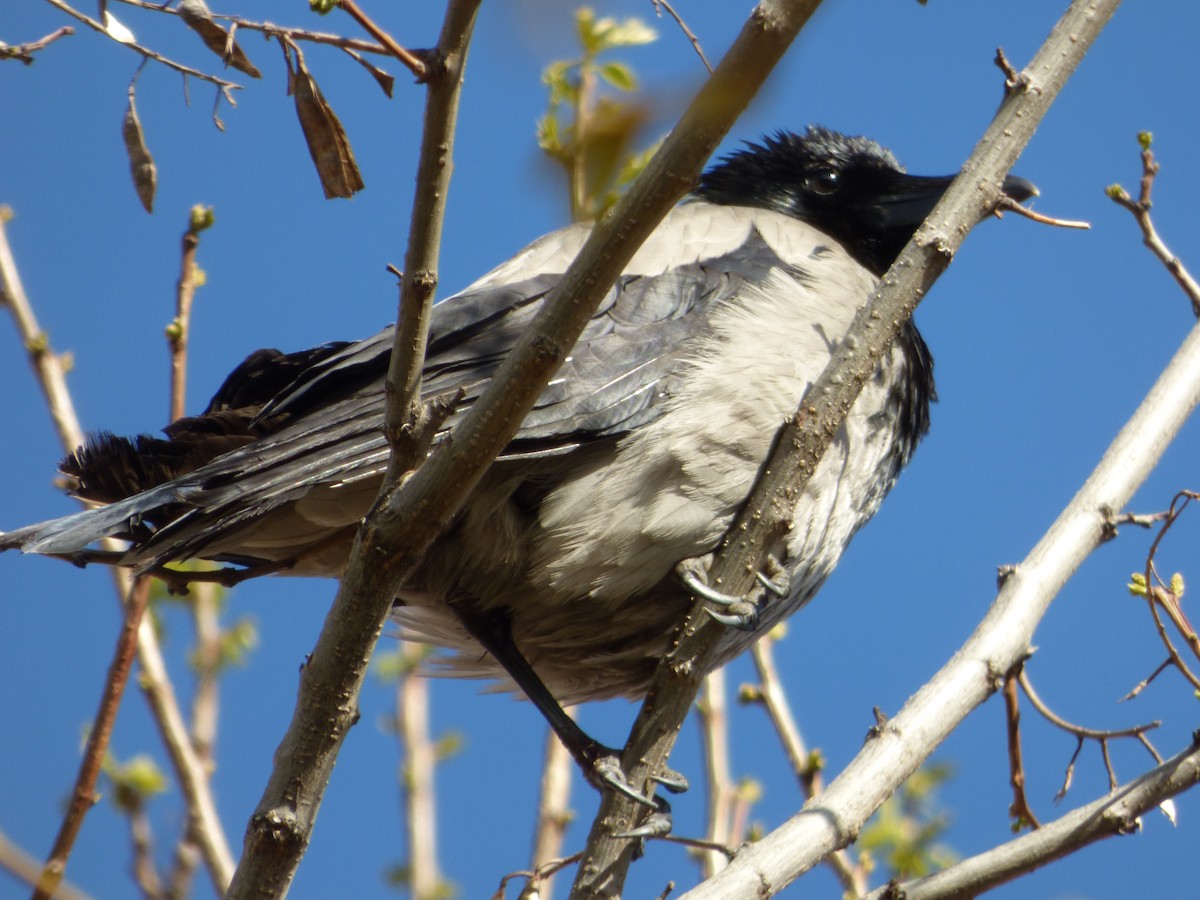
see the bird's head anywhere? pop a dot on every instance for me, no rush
(849, 187)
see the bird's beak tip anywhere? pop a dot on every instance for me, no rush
(1019, 189)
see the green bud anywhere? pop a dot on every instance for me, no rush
(201, 217)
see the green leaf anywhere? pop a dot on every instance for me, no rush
(618, 75)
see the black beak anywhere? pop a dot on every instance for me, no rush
(892, 215)
(1018, 189)
(915, 196)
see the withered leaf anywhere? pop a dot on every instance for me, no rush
(384, 79)
(141, 163)
(196, 15)
(327, 141)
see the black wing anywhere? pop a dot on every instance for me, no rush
(323, 429)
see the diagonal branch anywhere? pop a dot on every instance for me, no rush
(1118, 812)
(803, 440)
(155, 683)
(24, 52)
(281, 826)
(403, 522)
(832, 820)
(225, 86)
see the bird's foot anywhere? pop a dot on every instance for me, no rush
(656, 824)
(602, 767)
(736, 612)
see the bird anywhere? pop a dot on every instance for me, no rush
(552, 579)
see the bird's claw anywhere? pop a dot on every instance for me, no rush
(673, 781)
(606, 772)
(656, 824)
(735, 612)
(776, 583)
(742, 615)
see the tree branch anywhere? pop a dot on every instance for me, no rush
(327, 706)
(803, 440)
(24, 52)
(1115, 813)
(357, 45)
(83, 796)
(832, 820)
(225, 86)
(155, 683)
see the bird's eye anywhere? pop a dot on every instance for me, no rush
(821, 181)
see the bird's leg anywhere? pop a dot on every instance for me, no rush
(601, 765)
(737, 612)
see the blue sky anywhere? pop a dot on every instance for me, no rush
(1044, 339)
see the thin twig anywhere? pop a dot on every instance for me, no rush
(713, 718)
(1160, 595)
(24, 52)
(145, 872)
(185, 291)
(272, 30)
(1141, 520)
(390, 540)
(154, 681)
(83, 797)
(537, 878)
(1140, 209)
(221, 83)
(1019, 809)
(1007, 204)
(1145, 682)
(417, 774)
(659, 6)
(1080, 731)
(806, 765)
(418, 67)
(553, 811)
(1113, 814)
(24, 865)
(205, 603)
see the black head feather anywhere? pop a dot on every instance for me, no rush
(849, 187)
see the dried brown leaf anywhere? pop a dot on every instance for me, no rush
(141, 163)
(196, 15)
(327, 141)
(385, 80)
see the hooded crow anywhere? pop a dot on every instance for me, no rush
(636, 456)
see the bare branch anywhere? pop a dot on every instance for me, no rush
(419, 765)
(659, 6)
(1007, 204)
(1002, 638)
(199, 218)
(24, 52)
(1020, 810)
(281, 825)
(805, 764)
(83, 796)
(271, 30)
(713, 718)
(225, 86)
(415, 65)
(20, 863)
(1113, 814)
(51, 377)
(762, 42)
(1140, 209)
(1079, 731)
(554, 813)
